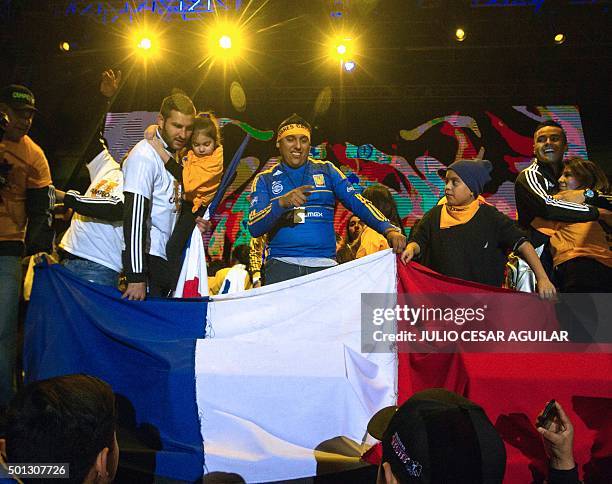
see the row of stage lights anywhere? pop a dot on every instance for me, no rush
(229, 44)
(460, 36)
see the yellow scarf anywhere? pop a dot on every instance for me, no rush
(451, 216)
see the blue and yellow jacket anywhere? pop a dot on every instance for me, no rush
(315, 237)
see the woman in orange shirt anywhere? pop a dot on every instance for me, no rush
(582, 253)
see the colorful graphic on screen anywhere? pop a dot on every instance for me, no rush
(409, 168)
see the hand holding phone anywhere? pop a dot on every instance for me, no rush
(557, 435)
(546, 418)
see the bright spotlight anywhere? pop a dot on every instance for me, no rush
(349, 66)
(64, 46)
(460, 34)
(145, 43)
(225, 42)
(559, 38)
(341, 48)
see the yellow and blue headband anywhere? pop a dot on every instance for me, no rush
(293, 129)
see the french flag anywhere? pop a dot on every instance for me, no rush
(193, 280)
(273, 383)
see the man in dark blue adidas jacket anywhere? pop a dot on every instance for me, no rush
(294, 203)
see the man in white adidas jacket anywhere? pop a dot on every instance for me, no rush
(152, 202)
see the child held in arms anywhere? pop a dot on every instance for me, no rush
(199, 171)
(465, 237)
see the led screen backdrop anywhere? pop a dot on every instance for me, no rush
(406, 159)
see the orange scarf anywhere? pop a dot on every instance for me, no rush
(451, 216)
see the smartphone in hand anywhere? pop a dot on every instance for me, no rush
(548, 415)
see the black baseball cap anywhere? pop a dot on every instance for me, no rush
(18, 97)
(438, 437)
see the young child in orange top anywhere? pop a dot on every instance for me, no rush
(199, 172)
(203, 164)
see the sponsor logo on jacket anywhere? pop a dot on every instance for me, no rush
(277, 187)
(319, 180)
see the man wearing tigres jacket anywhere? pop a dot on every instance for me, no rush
(294, 202)
(535, 186)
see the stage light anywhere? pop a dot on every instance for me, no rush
(145, 43)
(341, 48)
(349, 66)
(64, 46)
(460, 34)
(225, 42)
(560, 38)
